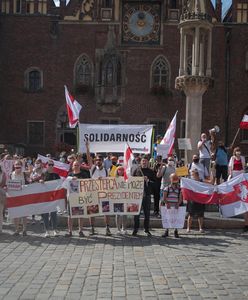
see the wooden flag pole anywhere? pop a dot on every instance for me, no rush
(236, 135)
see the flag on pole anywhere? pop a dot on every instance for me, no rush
(60, 168)
(128, 159)
(36, 199)
(244, 122)
(165, 147)
(73, 109)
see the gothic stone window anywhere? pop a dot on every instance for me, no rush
(83, 72)
(110, 72)
(160, 73)
(35, 133)
(33, 79)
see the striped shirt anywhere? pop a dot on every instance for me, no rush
(172, 194)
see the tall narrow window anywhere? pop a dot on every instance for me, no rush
(160, 72)
(35, 132)
(242, 12)
(30, 7)
(119, 73)
(83, 71)
(109, 78)
(5, 6)
(34, 79)
(17, 6)
(107, 3)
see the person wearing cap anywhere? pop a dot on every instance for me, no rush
(172, 198)
(48, 176)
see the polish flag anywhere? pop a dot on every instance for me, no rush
(200, 192)
(128, 162)
(36, 199)
(60, 168)
(233, 196)
(244, 122)
(73, 109)
(165, 147)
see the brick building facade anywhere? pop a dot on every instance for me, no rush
(120, 59)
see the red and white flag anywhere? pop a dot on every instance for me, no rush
(60, 168)
(73, 109)
(200, 192)
(165, 147)
(233, 196)
(128, 161)
(36, 199)
(244, 122)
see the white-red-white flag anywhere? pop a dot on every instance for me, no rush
(128, 161)
(244, 122)
(36, 199)
(73, 109)
(200, 192)
(60, 168)
(165, 147)
(233, 196)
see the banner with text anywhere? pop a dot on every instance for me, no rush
(113, 138)
(105, 196)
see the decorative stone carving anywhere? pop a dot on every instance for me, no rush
(190, 82)
(87, 8)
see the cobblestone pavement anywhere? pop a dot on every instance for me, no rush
(195, 266)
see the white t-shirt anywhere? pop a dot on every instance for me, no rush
(205, 150)
(98, 172)
(202, 170)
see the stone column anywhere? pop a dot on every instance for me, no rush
(209, 57)
(181, 69)
(194, 88)
(197, 43)
(202, 44)
(185, 65)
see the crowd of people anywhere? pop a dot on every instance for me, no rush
(212, 164)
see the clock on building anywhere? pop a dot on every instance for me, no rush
(141, 22)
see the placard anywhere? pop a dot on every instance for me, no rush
(173, 218)
(106, 196)
(182, 171)
(14, 185)
(184, 144)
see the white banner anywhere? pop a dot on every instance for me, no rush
(105, 196)
(113, 138)
(173, 218)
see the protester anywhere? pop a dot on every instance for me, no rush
(172, 198)
(98, 171)
(205, 148)
(236, 163)
(70, 159)
(19, 175)
(156, 187)
(164, 172)
(48, 176)
(107, 161)
(221, 162)
(149, 179)
(197, 165)
(121, 220)
(113, 167)
(36, 175)
(195, 209)
(77, 173)
(2, 197)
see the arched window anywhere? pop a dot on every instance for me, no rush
(83, 71)
(33, 79)
(160, 72)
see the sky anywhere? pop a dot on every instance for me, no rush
(226, 4)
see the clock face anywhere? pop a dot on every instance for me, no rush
(141, 23)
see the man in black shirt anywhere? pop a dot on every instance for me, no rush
(149, 178)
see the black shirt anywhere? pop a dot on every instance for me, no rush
(50, 176)
(82, 175)
(149, 174)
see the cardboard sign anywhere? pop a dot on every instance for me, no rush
(182, 171)
(106, 196)
(173, 218)
(184, 144)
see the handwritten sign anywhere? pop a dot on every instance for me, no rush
(14, 185)
(106, 196)
(184, 144)
(7, 166)
(173, 218)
